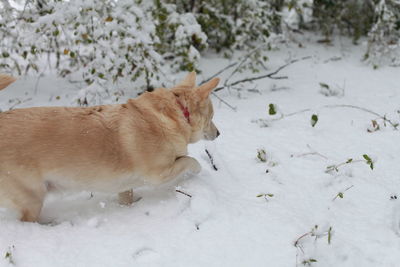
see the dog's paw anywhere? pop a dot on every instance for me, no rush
(194, 165)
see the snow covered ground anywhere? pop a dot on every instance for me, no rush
(286, 211)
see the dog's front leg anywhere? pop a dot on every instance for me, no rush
(125, 198)
(181, 166)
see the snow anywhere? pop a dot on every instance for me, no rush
(224, 223)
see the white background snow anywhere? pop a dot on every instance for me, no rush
(225, 223)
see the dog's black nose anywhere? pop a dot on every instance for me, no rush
(218, 133)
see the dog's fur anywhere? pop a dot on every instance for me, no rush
(108, 148)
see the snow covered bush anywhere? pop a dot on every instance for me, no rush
(102, 39)
(231, 24)
(298, 13)
(105, 40)
(11, 50)
(378, 20)
(181, 36)
(351, 17)
(98, 39)
(384, 37)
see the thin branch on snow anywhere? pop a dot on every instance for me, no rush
(296, 243)
(183, 193)
(245, 58)
(382, 117)
(232, 65)
(211, 160)
(312, 152)
(223, 101)
(218, 73)
(271, 75)
(229, 85)
(18, 102)
(394, 125)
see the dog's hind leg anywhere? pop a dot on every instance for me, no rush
(25, 199)
(8, 213)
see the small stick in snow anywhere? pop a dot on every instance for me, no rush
(211, 160)
(312, 152)
(183, 193)
(296, 243)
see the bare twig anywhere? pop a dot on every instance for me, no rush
(183, 193)
(223, 101)
(245, 58)
(232, 65)
(269, 75)
(336, 167)
(312, 152)
(383, 117)
(211, 160)
(296, 243)
(218, 73)
(394, 125)
(19, 102)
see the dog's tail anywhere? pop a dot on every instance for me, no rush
(6, 80)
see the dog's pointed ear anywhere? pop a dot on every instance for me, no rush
(189, 81)
(205, 89)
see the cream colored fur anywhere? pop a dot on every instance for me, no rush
(5, 80)
(109, 148)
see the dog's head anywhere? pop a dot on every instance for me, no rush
(196, 100)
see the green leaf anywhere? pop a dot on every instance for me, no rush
(270, 195)
(314, 120)
(331, 168)
(313, 260)
(340, 195)
(262, 155)
(371, 165)
(366, 157)
(324, 85)
(349, 160)
(260, 195)
(329, 235)
(109, 19)
(272, 109)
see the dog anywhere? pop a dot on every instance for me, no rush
(107, 148)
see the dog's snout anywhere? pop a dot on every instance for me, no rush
(218, 133)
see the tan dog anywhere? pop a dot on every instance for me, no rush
(109, 148)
